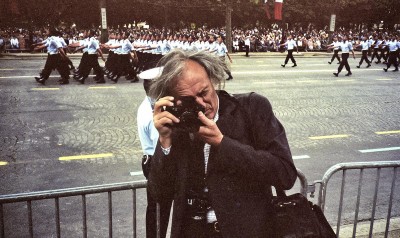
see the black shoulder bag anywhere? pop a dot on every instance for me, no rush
(293, 216)
(296, 217)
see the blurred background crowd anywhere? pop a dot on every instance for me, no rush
(14, 39)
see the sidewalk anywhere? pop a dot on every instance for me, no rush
(234, 55)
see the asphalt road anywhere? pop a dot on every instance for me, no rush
(61, 136)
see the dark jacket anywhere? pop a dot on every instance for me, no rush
(253, 155)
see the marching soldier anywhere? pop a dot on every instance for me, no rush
(376, 50)
(109, 65)
(55, 59)
(384, 49)
(393, 47)
(335, 45)
(364, 47)
(93, 49)
(221, 52)
(81, 45)
(346, 47)
(291, 44)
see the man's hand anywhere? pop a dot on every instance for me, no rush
(163, 120)
(210, 132)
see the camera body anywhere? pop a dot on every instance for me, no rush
(187, 113)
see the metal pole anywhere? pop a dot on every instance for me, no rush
(103, 20)
(228, 24)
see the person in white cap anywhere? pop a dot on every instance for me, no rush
(148, 136)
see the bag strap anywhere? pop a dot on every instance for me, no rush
(280, 192)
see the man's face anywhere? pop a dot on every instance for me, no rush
(194, 82)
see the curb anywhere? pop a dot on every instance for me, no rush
(378, 231)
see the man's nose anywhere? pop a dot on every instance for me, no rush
(200, 101)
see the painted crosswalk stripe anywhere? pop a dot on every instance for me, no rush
(136, 173)
(79, 157)
(2, 163)
(301, 157)
(384, 79)
(387, 132)
(44, 89)
(327, 137)
(380, 150)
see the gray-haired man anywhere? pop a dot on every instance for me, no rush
(219, 173)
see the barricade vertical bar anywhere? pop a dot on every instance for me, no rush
(110, 225)
(30, 218)
(134, 212)
(58, 228)
(390, 202)
(84, 218)
(358, 202)
(371, 227)
(1, 221)
(341, 203)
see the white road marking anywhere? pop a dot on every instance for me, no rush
(384, 79)
(32, 76)
(136, 173)
(283, 71)
(301, 157)
(379, 150)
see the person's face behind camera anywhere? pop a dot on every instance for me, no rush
(194, 82)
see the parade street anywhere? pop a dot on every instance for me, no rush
(60, 136)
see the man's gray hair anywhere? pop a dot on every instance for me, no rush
(174, 63)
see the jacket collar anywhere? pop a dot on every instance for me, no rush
(227, 106)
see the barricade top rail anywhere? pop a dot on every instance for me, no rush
(68, 192)
(358, 165)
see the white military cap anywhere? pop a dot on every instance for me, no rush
(151, 74)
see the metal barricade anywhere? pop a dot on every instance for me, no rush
(83, 192)
(70, 192)
(361, 167)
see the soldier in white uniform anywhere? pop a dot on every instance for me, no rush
(55, 59)
(291, 44)
(148, 136)
(393, 47)
(346, 46)
(335, 45)
(93, 49)
(221, 52)
(376, 46)
(364, 48)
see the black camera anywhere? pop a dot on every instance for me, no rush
(187, 113)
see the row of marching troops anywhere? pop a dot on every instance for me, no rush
(385, 50)
(128, 54)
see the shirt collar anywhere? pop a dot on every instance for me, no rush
(216, 117)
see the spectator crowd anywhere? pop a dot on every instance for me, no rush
(259, 39)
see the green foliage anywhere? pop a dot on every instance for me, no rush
(211, 12)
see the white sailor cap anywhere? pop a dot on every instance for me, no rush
(151, 74)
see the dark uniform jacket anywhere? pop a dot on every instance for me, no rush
(253, 156)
